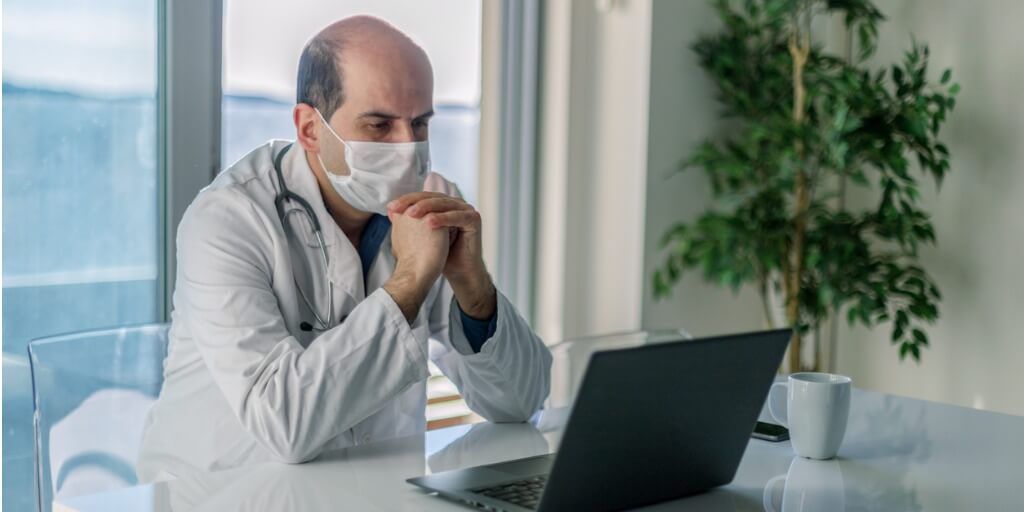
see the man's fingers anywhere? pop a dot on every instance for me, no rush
(435, 204)
(399, 205)
(462, 219)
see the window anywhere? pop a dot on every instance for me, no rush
(80, 205)
(259, 93)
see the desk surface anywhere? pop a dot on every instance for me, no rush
(898, 454)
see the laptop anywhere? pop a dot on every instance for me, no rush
(650, 424)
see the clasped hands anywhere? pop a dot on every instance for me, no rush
(434, 234)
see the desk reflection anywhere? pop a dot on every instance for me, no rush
(485, 443)
(808, 486)
(352, 479)
(899, 454)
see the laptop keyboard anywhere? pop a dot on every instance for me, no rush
(525, 493)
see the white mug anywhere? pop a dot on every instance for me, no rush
(808, 486)
(815, 411)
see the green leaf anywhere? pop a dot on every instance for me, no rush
(897, 333)
(660, 289)
(946, 75)
(864, 317)
(902, 319)
(920, 337)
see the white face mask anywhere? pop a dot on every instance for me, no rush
(379, 172)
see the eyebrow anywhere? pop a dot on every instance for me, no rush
(385, 115)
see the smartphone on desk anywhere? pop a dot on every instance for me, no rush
(770, 432)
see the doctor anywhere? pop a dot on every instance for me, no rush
(316, 278)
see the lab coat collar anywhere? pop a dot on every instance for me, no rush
(299, 177)
(344, 266)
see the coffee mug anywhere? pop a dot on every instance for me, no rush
(815, 411)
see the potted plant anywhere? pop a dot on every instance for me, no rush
(807, 125)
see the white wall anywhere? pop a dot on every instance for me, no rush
(977, 346)
(625, 102)
(977, 351)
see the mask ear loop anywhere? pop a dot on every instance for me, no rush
(336, 136)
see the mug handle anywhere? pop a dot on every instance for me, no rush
(779, 409)
(777, 483)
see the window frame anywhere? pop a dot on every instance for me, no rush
(189, 52)
(190, 95)
(508, 145)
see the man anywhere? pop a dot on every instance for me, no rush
(311, 275)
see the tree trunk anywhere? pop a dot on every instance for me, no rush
(799, 49)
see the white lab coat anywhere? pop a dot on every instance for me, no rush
(244, 384)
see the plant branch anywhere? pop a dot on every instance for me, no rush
(762, 284)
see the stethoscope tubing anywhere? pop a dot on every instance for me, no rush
(287, 195)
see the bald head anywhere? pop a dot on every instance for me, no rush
(355, 44)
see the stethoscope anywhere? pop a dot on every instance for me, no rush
(307, 210)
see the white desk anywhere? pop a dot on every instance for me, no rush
(898, 454)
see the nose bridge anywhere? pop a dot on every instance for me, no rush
(403, 131)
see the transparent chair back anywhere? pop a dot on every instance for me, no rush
(572, 356)
(91, 392)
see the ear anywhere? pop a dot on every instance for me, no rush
(307, 132)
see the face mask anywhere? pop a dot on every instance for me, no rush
(379, 172)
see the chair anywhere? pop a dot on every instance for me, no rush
(572, 356)
(91, 392)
